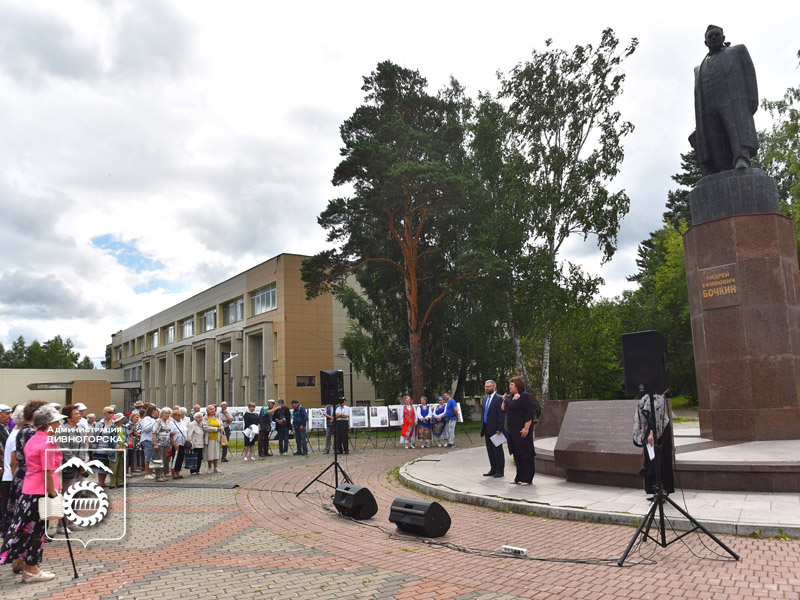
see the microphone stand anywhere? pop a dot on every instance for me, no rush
(659, 498)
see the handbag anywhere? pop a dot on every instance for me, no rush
(190, 461)
(223, 439)
(51, 509)
(157, 463)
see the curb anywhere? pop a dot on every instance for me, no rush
(592, 516)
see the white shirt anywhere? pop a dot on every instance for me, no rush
(83, 424)
(11, 446)
(342, 412)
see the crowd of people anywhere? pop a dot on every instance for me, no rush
(36, 438)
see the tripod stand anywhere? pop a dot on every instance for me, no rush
(657, 504)
(337, 468)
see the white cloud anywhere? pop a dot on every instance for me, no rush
(205, 134)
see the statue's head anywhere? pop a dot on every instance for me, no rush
(715, 37)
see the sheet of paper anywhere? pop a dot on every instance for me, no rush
(498, 438)
(651, 452)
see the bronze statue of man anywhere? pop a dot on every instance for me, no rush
(725, 99)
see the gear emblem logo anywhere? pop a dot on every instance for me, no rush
(85, 503)
(91, 512)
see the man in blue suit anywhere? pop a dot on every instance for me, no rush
(493, 421)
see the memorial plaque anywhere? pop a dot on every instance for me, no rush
(552, 417)
(719, 286)
(595, 443)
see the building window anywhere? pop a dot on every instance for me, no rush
(169, 334)
(118, 352)
(209, 320)
(154, 339)
(264, 299)
(306, 381)
(233, 311)
(187, 328)
(274, 345)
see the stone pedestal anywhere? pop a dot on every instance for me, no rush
(744, 301)
(595, 444)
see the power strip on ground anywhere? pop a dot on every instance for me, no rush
(514, 550)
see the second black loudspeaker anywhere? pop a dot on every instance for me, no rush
(354, 501)
(419, 517)
(645, 356)
(332, 387)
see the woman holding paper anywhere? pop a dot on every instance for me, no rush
(643, 436)
(519, 409)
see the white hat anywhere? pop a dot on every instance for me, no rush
(46, 414)
(5, 408)
(80, 406)
(118, 417)
(55, 405)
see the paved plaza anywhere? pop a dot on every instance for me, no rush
(202, 538)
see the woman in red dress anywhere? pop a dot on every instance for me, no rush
(409, 422)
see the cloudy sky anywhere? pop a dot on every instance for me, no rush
(151, 149)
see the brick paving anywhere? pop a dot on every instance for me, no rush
(260, 541)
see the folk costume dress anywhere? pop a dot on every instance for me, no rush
(409, 424)
(424, 425)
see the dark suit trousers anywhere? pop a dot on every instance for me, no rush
(497, 459)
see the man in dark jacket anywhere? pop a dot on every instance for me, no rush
(493, 422)
(283, 425)
(265, 427)
(300, 424)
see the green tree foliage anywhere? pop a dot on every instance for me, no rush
(585, 350)
(568, 136)
(404, 158)
(779, 154)
(56, 353)
(662, 303)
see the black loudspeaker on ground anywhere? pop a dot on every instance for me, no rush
(354, 501)
(332, 387)
(428, 519)
(645, 357)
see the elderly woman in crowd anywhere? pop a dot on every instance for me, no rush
(162, 436)
(519, 408)
(179, 437)
(72, 441)
(23, 544)
(196, 437)
(9, 466)
(18, 465)
(133, 433)
(146, 432)
(213, 428)
(105, 432)
(116, 452)
(250, 418)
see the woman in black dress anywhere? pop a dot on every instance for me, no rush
(519, 408)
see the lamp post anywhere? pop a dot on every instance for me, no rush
(231, 356)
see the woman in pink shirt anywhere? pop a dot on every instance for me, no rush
(23, 543)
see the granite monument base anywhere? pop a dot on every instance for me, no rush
(744, 303)
(595, 444)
